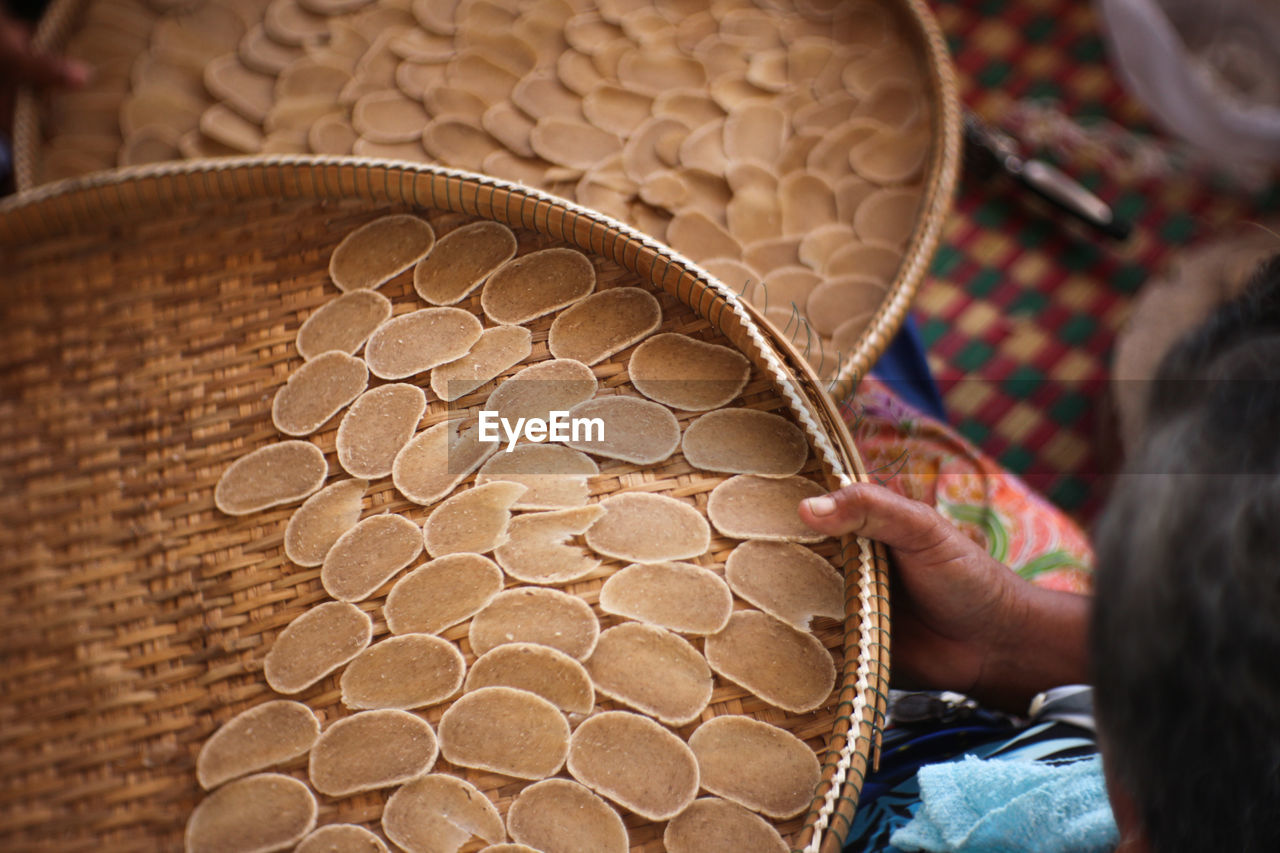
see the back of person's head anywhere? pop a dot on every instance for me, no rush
(1186, 627)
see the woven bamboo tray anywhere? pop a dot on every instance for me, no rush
(150, 314)
(841, 364)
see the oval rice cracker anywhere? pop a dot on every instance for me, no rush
(547, 617)
(264, 735)
(277, 474)
(473, 521)
(260, 813)
(420, 340)
(687, 374)
(652, 670)
(506, 731)
(343, 324)
(781, 665)
(441, 593)
(341, 838)
(745, 441)
(750, 507)
(678, 596)
(368, 555)
(713, 825)
(787, 581)
(756, 765)
(558, 814)
(548, 672)
(377, 427)
(556, 477)
(646, 528)
(629, 428)
(322, 519)
(317, 391)
(604, 323)
(315, 644)
(499, 348)
(461, 260)
(439, 814)
(439, 458)
(537, 550)
(635, 762)
(548, 386)
(370, 750)
(404, 672)
(537, 283)
(380, 250)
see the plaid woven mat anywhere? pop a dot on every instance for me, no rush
(1021, 311)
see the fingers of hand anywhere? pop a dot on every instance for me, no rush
(877, 513)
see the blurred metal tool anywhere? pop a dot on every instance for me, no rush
(989, 150)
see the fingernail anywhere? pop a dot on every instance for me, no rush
(77, 73)
(824, 505)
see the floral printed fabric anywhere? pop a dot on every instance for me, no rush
(926, 460)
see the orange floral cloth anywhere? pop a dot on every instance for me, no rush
(926, 460)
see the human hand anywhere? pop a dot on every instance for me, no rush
(21, 64)
(961, 620)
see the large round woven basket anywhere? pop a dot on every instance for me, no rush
(149, 317)
(841, 365)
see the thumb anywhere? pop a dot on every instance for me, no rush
(43, 70)
(878, 513)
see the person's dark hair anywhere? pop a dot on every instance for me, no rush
(1186, 626)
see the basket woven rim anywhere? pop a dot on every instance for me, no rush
(941, 176)
(97, 200)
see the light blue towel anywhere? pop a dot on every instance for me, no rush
(996, 806)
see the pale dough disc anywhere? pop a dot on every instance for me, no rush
(713, 825)
(459, 142)
(332, 134)
(823, 242)
(694, 234)
(246, 91)
(388, 117)
(406, 671)
(509, 126)
(498, 349)
(377, 427)
(690, 107)
(548, 386)
(262, 53)
(781, 665)
(755, 131)
(411, 151)
(736, 275)
(537, 283)
(632, 429)
(652, 670)
(438, 459)
(321, 520)
(756, 765)
(420, 340)
(754, 214)
(343, 324)
(745, 441)
(891, 158)
(647, 150)
(547, 617)
(474, 521)
(341, 838)
(616, 110)
(222, 124)
(370, 750)
(577, 72)
(461, 260)
(368, 555)
(888, 216)
(555, 476)
(261, 813)
(441, 593)
(310, 78)
(439, 814)
(506, 731)
(557, 814)
(269, 476)
(751, 507)
(604, 323)
(315, 644)
(787, 581)
(508, 848)
(769, 255)
(687, 374)
(380, 250)
(871, 260)
(317, 391)
(851, 191)
(548, 672)
(647, 528)
(635, 762)
(679, 596)
(265, 735)
(538, 551)
(830, 156)
(653, 72)
(540, 95)
(807, 201)
(836, 301)
(572, 143)
(288, 23)
(489, 81)
(149, 145)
